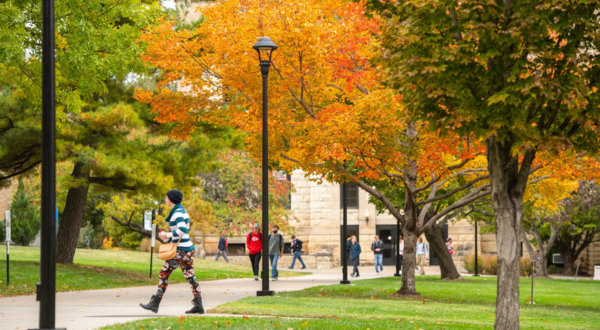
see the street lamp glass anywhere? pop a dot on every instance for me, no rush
(265, 47)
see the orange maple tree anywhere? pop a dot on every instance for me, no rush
(329, 113)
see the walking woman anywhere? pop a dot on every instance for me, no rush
(355, 251)
(179, 223)
(254, 244)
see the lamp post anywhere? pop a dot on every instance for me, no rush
(47, 287)
(265, 47)
(476, 274)
(344, 235)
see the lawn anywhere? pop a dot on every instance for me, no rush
(368, 304)
(101, 269)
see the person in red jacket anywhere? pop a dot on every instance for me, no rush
(254, 243)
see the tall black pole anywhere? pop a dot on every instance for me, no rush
(47, 287)
(397, 248)
(344, 234)
(264, 69)
(476, 274)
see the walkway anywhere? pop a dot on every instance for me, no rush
(82, 310)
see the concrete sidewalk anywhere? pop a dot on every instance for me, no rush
(93, 309)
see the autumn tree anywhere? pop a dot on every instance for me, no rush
(329, 113)
(522, 75)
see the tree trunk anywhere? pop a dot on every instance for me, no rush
(409, 262)
(568, 259)
(541, 266)
(437, 243)
(70, 224)
(508, 181)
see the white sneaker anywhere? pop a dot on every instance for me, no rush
(256, 278)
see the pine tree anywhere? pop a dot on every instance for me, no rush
(25, 219)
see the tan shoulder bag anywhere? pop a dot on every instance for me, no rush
(168, 251)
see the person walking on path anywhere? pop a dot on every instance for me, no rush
(355, 251)
(254, 244)
(276, 245)
(297, 251)
(422, 254)
(222, 249)
(449, 246)
(377, 248)
(179, 223)
(400, 254)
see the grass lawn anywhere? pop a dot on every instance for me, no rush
(368, 304)
(100, 269)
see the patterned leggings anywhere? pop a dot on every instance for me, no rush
(182, 259)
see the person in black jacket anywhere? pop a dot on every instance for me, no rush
(222, 249)
(297, 251)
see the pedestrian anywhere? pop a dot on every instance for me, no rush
(179, 223)
(254, 243)
(297, 251)
(422, 254)
(377, 248)
(355, 251)
(276, 244)
(222, 249)
(449, 246)
(400, 254)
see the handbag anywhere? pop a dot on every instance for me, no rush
(168, 251)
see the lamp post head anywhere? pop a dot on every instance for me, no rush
(367, 215)
(265, 47)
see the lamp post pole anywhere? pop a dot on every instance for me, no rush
(47, 287)
(344, 235)
(476, 274)
(397, 248)
(265, 44)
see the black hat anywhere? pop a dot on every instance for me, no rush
(293, 236)
(175, 196)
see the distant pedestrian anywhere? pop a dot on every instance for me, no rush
(377, 248)
(355, 251)
(254, 243)
(276, 245)
(400, 254)
(222, 249)
(449, 246)
(297, 251)
(179, 223)
(422, 254)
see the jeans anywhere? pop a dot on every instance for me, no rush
(255, 260)
(219, 253)
(297, 255)
(378, 261)
(355, 265)
(274, 258)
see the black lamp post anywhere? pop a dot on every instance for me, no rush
(265, 47)
(46, 289)
(343, 245)
(398, 234)
(476, 266)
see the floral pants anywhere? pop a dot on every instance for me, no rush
(182, 259)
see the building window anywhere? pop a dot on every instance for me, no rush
(352, 190)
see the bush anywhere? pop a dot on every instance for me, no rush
(553, 269)
(89, 237)
(470, 263)
(526, 268)
(490, 265)
(146, 244)
(2, 231)
(25, 219)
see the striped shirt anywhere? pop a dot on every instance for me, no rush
(179, 222)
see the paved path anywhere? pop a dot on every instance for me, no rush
(96, 308)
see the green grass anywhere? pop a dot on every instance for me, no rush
(100, 269)
(368, 304)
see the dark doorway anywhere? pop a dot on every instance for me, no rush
(352, 230)
(387, 233)
(433, 260)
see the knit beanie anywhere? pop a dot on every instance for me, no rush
(175, 196)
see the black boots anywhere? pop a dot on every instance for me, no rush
(197, 309)
(153, 304)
